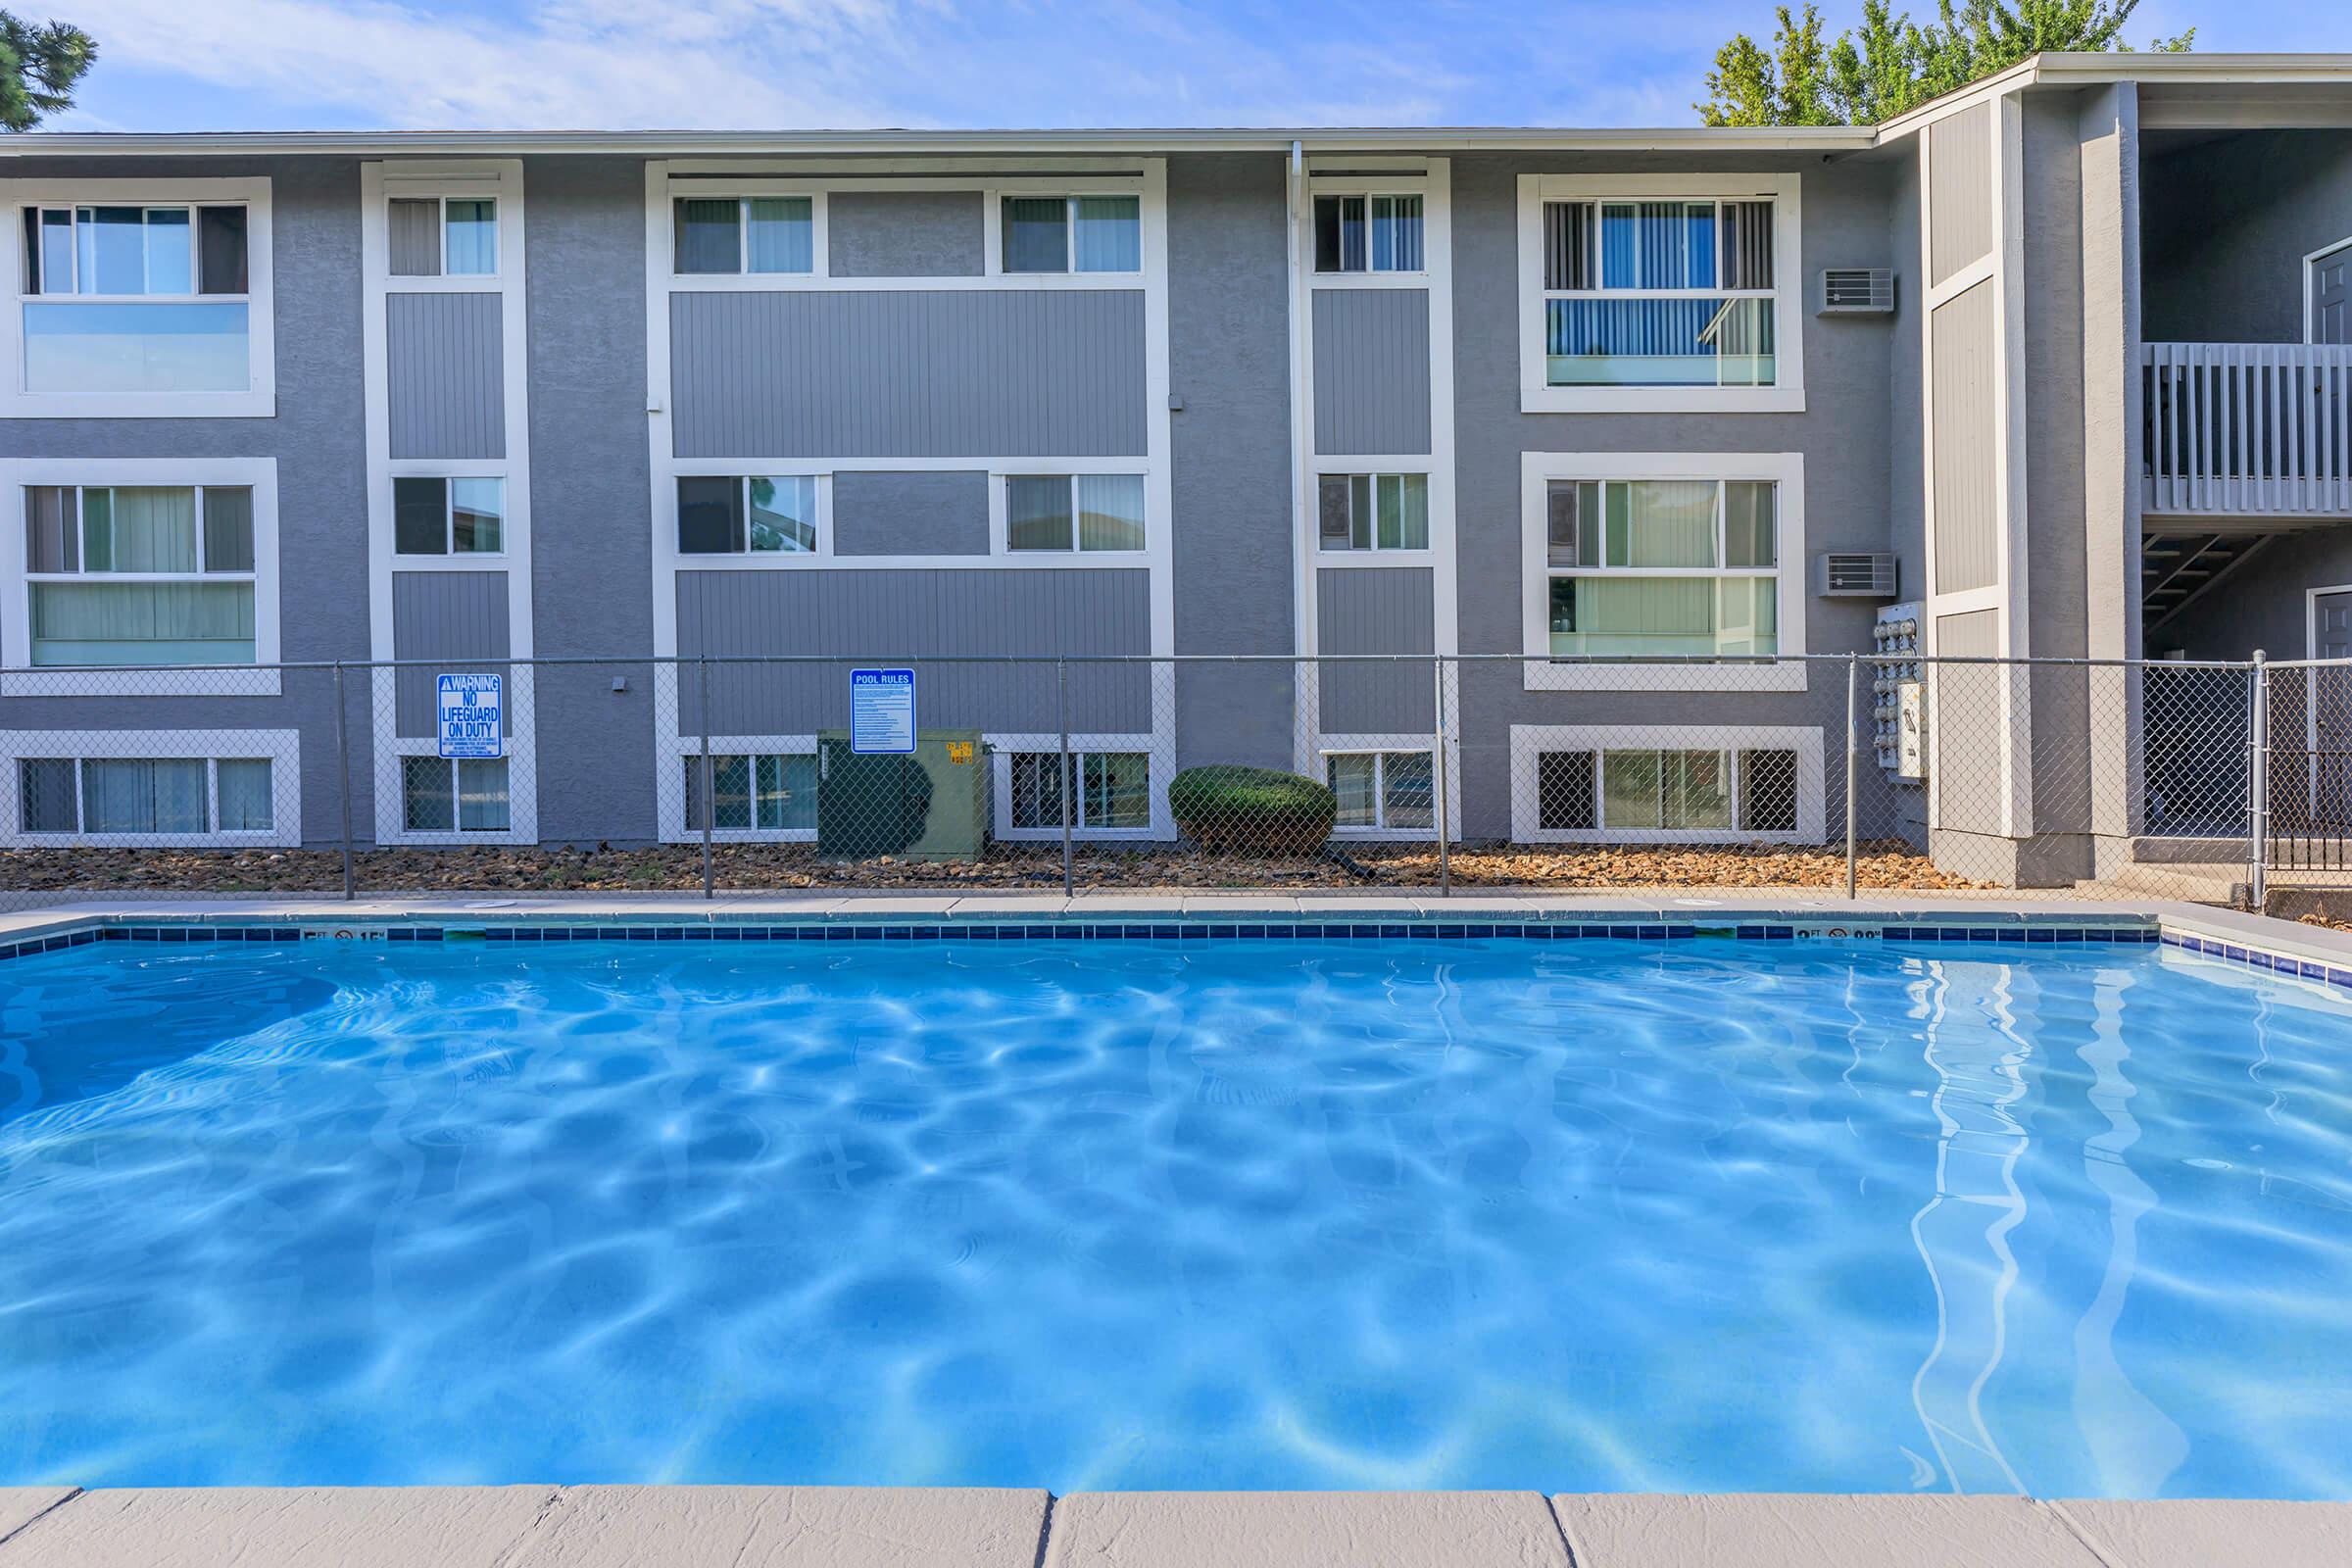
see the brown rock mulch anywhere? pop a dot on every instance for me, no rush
(742, 868)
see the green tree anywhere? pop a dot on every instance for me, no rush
(38, 67)
(1890, 64)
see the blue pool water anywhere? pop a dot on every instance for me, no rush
(1591, 1215)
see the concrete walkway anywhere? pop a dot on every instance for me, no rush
(878, 1527)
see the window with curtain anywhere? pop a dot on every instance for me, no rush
(442, 795)
(146, 797)
(442, 236)
(1113, 790)
(139, 574)
(763, 793)
(727, 516)
(744, 234)
(1664, 567)
(1658, 293)
(1382, 789)
(135, 298)
(1072, 234)
(1086, 512)
(1368, 234)
(437, 516)
(1636, 790)
(1372, 511)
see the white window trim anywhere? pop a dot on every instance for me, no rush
(2311, 284)
(743, 275)
(1374, 555)
(1416, 185)
(1378, 747)
(450, 185)
(410, 747)
(282, 748)
(674, 826)
(260, 396)
(451, 469)
(1784, 191)
(1530, 740)
(999, 513)
(1001, 748)
(1786, 672)
(17, 675)
(993, 227)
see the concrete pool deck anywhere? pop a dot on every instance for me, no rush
(880, 1527)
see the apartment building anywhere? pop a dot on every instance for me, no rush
(2055, 363)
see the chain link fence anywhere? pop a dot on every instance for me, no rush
(1835, 774)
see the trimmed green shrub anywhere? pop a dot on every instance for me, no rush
(1252, 811)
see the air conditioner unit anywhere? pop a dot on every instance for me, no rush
(1855, 575)
(1857, 290)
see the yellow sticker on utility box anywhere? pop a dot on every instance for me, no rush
(960, 751)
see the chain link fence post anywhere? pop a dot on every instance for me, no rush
(1061, 705)
(703, 768)
(1853, 762)
(1437, 671)
(2258, 785)
(343, 775)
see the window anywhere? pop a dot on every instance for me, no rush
(139, 574)
(443, 236)
(1667, 567)
(442, 795)
(1382, 789)
(1674, 790)
(1074, 234)
(767, 792)
(145, 797)
(1658, 293)
(136, 298)
(1372, 511)
(1368, 234)
(1087, 512)
(744, 234)
(448, 516)
(761, 516)
(1114, 790)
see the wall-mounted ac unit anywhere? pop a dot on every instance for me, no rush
(1857, 290)
(1855, 575)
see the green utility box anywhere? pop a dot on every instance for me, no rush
(930, 805)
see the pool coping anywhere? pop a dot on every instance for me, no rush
(2302, 952)
(883, 1527)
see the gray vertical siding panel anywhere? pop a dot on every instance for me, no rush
(1967, 435)
(1960, 216)
(904, 616)
(908, 373)
(911, 514)
(1371, 370)
(906, 233)
(455, 616)
(445, 356)
(1389, 609)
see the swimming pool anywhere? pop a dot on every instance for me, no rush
(1687, 1215)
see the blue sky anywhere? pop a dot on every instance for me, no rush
(185, 65)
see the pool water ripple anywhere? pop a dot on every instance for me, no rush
(1686, 1216)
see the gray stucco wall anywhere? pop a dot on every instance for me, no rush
(913, 374)
(909, 233)
(1845, 433)
(592, 572)
(318, 440)
(2263, 603)
(2226, 224)
(911, 514)
(1229, 361)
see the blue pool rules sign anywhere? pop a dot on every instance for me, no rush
(882, 711)
(468, 710)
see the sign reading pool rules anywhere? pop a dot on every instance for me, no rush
(882, 711)
(468, 710)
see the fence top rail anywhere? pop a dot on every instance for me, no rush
(1051, 661)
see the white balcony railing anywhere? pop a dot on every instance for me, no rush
(2247, 429)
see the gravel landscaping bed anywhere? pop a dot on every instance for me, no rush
(748, 867)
